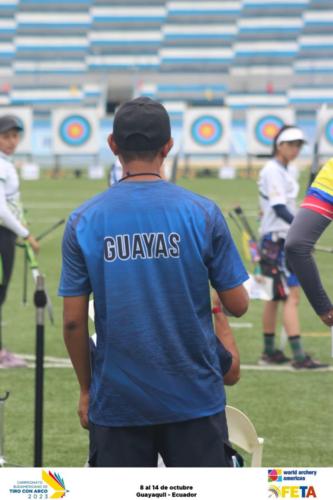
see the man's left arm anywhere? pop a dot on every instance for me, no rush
(76, 337)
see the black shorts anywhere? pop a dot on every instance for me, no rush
(201, 442)
(7, 254)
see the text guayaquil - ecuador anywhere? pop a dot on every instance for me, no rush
(141, 246)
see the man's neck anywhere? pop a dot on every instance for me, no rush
(141, 171)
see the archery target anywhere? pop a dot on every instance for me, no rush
(262, 127)
(75, 131)
(266, 129)
(24, 116)
(207, 131)
(325, 122)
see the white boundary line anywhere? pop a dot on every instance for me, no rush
(266, 368)
(54, 362)
(241, 325)
(284, 368)
(47, 359)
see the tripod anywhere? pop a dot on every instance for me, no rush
(2, 434)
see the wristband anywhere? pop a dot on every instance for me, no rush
(216, 310)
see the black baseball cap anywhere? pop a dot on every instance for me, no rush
(10, 122)
(141, 125)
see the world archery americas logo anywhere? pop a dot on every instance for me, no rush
(56, 482)
(274, 475)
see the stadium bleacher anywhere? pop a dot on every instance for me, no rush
(199, 33)
(239, 52)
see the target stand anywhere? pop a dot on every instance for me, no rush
(2, 428)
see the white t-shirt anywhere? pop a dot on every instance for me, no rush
(116, 172)
(277, 186)
(11, 212)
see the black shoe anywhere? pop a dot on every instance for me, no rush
(277, 358)
(308, 363)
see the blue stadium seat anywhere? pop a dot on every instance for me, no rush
(240, 44)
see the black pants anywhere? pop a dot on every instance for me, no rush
(7, 254)
(201, 442)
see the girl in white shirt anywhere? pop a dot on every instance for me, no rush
(10, 218)
(278, 190)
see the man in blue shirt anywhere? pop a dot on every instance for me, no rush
(147, 250)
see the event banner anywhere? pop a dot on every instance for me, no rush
(325, 125)
(25, 118)
(262, 125)
(75, 131)
(165, 483)
(207, 131)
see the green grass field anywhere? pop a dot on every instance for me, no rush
(291, 410)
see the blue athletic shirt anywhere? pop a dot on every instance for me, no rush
(147, 251)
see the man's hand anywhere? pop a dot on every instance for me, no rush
(83, 409)
(327, 318)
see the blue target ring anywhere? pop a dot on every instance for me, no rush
(75, 130)
(329, 131)
(266, 129)
(206, 130)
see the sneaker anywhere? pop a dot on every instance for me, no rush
(308, 363)
(10, 360)
(277, 358)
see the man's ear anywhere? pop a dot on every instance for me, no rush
(113, 146)
(167, 147)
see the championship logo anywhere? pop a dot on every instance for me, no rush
(56, 482)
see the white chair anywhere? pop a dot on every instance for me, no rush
(242, 433)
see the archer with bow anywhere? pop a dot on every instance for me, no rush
(11, 219)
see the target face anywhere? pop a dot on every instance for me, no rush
(75, 130)
(207, 130)
(266, 129)
(329, 131)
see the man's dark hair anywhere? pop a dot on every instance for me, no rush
(148, 156)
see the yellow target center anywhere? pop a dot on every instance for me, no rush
(207, 130)
(75, 130)
(271, 130)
